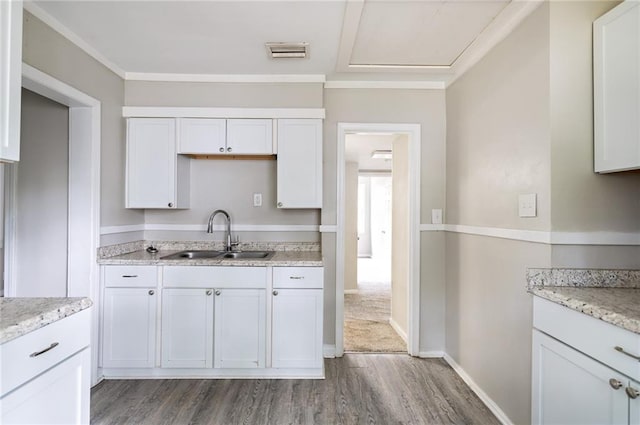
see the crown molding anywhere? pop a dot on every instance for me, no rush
(225, 78)
(408, 85)
(64, 31)
(198, 112)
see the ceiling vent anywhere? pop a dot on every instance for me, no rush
(287, 50)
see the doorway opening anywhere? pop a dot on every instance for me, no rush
(377, 240)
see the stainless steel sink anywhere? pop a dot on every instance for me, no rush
(193, 255)
(245, 255)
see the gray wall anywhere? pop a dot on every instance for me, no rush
(498, 146)
(424, 107)
(42, 196)
(400, 230)
(50, 52)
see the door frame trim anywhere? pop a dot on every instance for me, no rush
(413, 131)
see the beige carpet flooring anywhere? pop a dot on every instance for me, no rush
(366, 321)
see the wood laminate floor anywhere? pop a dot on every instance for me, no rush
(358, 389)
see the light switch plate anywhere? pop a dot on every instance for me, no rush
(257, 199)
(527, 205)
(436, 216)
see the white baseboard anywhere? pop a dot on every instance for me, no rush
(398, 329)
(502, 417)
(329, 351)
(431, 354)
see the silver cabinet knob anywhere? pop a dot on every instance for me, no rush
(275, 293)
(221, 149)
(279, 204)
(228, 149)
(209, 292)
(151, 292)
(615, 384)
(218, 292)
(632, 392)
(170, 204)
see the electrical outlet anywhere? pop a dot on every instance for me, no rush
(436, 216)
(257, 199)
(527, 205)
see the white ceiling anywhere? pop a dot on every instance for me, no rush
(358, 148)
(358, 39)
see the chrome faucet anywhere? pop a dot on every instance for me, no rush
(228, 245)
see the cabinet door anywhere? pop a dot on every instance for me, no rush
(10, 79)
(616, 60)
(634, 404)
(187, 328)
(571, 388)
(250, 136)
(129, 321)
(240, 328)
(201, 135)
(58, 396)
(299, 163)
(297, 328)
(151, 163)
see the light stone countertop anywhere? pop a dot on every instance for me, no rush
(612, 296)
(19, 316)
(280, 259)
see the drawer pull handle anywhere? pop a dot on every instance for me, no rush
(51, 347)
(621, 350)
(129, 275)
(296, 277)
(615, 384)
(632, 392)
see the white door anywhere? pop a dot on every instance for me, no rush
(250, 136)
(129, 334)
(240, 328)
(299, 171)
(151, 163)
(58, 396)
(201, 135)
(571, 388)
(10, 79)
(297, 328)
(187, 328)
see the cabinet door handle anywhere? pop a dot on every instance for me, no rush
(51, 347)
(151, 292)
(221, 149)
(127, 276)
(209, 292)
(218, 292)
(632, 392)
(296, 277)
(279, 204)
(615, 384)
(621, 350)
(229, 149)
(170, 204)
(275, 293)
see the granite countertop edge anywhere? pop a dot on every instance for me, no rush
(19, 316)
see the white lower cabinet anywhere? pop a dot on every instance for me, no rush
(297, 328)
(187, 327)
(129, 327)
(573, 379)
(240, 328)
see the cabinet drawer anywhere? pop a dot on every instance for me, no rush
(130, 276)
(298, 277)
(214, 277)
(18, 361)
(593, 337)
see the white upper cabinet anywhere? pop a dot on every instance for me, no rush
(209, 136)
(201, 136)
(299, 163)
(616, 49)
(10, 79)
(156, 176)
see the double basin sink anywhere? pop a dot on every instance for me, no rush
(226, 255)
